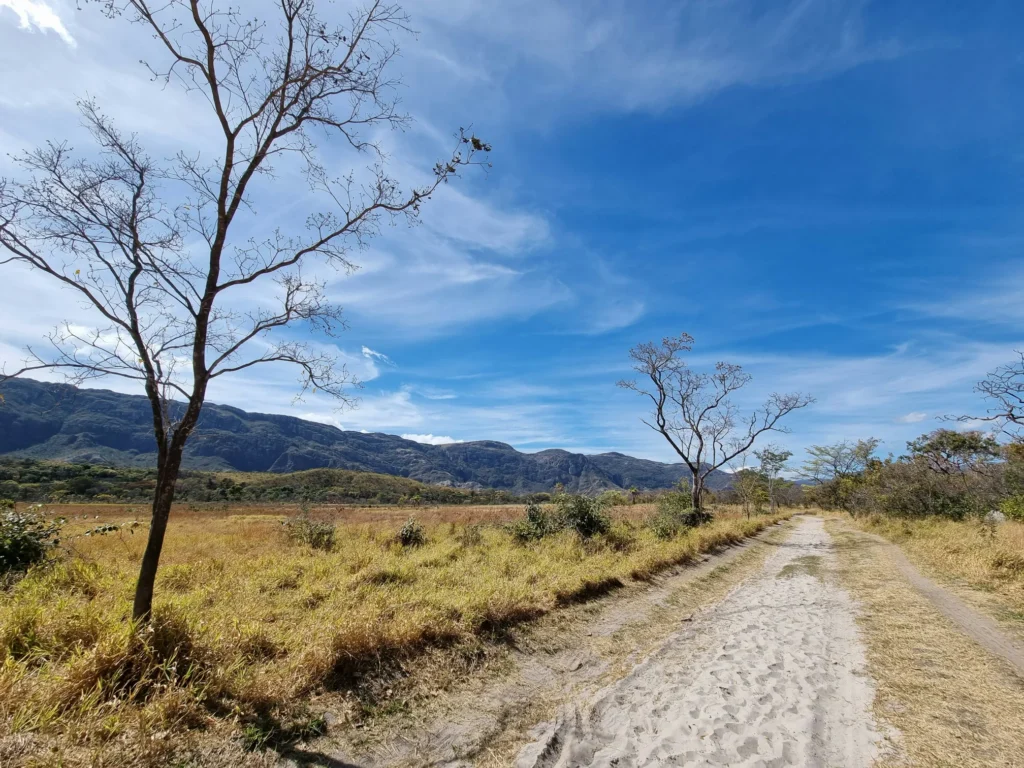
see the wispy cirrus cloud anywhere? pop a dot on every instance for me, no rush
(37, 15)
(990, 299)
(608, 55)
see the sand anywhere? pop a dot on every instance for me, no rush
(774, 675)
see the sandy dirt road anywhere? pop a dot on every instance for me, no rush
(774, 675)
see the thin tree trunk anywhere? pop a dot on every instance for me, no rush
(695, 493)
(167, 477)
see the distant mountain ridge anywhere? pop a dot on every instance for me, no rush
(56, 421)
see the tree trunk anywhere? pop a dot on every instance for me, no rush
(167, 476)
(695, 493)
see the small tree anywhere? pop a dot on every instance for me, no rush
(747, 483)
(744, 482)
(694, 412)
(154, 247)
(773, 461)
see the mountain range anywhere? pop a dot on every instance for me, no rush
(61, 422)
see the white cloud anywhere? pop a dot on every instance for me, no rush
(609, 55)
(373, 354)
(37, 15)
(974, 425)
(912, 418)
(431, 439)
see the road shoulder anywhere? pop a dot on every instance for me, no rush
(952, 702)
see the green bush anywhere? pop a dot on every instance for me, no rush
(26, 538)
(537, 524)
(582, 514)
(412, 534)
(1013, 508)
(675, 514)
(312, 533)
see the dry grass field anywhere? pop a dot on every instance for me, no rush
(943, 700)
(249, 625)
(972, 554)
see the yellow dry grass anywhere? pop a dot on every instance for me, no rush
(248, 625)
(951, 704)
(971, 554)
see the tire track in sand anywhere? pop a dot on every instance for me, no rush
(779, 680)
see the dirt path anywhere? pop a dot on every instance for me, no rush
(980, 628)
(773, 675)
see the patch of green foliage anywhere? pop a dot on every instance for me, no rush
(675, 514)
(537, 524)
(582, 514)
(1013, 508)
(574, 512)
(26, 537)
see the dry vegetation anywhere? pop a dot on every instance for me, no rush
(950, 703)
(975, 554)
(248, 625)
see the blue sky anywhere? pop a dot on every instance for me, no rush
(826, 192)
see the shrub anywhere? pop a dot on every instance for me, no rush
(582, 514)
(1013, 508)
(412, 534)
(312, 533)
(537, 524)
(675, 515)
(612, 499)
(26, 538)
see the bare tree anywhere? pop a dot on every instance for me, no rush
(154, 248)
(1004, 387)
(694, 412)
(745, 482)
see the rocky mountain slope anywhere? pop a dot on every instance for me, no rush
(56, 421)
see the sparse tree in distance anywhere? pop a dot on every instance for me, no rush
(773, 461)
(695, 413)
(747, 483)
(155, 247)
(837, 469)
(839, 460)
(1004, 387)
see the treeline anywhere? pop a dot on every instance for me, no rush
(945, 473)
(55, 482)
